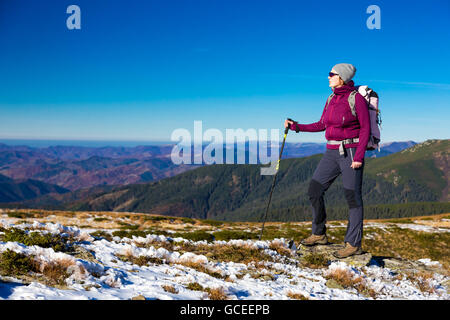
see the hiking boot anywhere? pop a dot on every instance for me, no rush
(313, 239)
(348, 251)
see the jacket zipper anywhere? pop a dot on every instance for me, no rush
(329, 118)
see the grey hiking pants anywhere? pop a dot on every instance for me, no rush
(330, 167)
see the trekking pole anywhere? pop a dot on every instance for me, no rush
(274, 179)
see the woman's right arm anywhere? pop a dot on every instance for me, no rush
(312, 127)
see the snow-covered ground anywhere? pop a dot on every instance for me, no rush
(109, 277)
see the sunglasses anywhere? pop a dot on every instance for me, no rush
(331, 74)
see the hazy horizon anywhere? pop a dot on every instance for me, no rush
(44, 143)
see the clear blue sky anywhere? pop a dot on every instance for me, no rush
(137, 70)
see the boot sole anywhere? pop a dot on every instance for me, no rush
(314, 244)
(357, 253)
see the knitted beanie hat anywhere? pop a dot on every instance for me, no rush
(345, 70)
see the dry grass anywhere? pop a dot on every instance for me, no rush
(422, 280)
(280, 248)
(31, 268)
(238, 254)
(227, 253)
(213, 293)
(200, 267)
(258, 271)
(347, 280)
(195, 286)
(170, 289)
(217, 294)
(397, 242)
(410, 244)
(55, 272)
(174, 223)
(435, 217)
(128, 256)
(296, 296)
(343, 277)
(315, 260)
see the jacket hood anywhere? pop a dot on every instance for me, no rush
(348, 87)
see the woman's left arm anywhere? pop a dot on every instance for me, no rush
(362, 112)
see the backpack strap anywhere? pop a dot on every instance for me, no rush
(351, 101)
(329, 99)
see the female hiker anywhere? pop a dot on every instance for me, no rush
(347, 137)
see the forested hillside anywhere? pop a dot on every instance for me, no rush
(239, 192)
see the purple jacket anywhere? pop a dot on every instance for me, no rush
(340, 124)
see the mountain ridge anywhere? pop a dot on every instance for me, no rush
(25, 189)
(77, 168)
(222, 191)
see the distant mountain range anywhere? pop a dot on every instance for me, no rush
(418, 174)
(19, 190)
(83, 167)
(76, 168)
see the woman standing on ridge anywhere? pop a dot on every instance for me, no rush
(347, 137)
